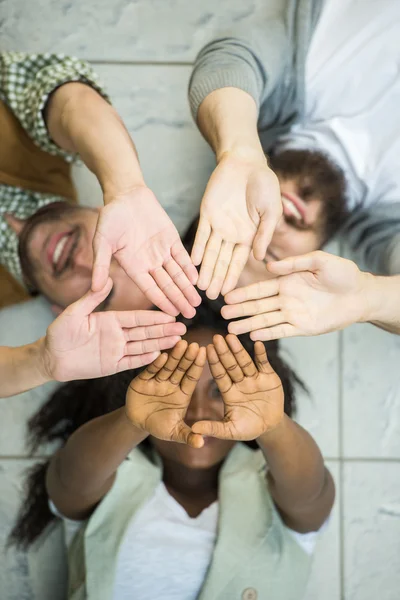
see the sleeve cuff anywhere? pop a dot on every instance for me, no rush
(202, 84)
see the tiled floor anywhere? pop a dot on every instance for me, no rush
(143, 49)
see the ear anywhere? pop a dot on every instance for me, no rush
(16, 224)
(56, 309)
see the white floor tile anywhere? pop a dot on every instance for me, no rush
(371, 393)
(129, 30)
(372, 530)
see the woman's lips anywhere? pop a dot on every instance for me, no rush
(297, 202)
(52, 244)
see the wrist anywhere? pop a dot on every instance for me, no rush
(370, 298)
(40, 361)
(271, 435)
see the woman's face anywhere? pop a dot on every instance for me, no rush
(206, 404)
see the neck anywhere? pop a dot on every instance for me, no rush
(190, 482)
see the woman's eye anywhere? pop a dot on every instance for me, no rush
(214, 392)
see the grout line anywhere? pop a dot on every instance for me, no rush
(142, 63)
(341, 467)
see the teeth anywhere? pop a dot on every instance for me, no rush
(291, 208)
(59, 248)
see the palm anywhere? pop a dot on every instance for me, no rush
(136, 230)
(158, 398)
(159, 407)
(82, 344)
(250, 405)
(252, 392)
(239, 211)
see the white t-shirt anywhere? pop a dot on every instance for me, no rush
(165, 553)
(352, 88)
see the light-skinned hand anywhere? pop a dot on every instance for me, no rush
(239, 212)
(312, 294)
(252, 391)
(82, 344)
(135, 230)
(158, 398)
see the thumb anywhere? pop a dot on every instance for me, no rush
(90, 301)
(101, 265)
(293, 264)
(263, 237)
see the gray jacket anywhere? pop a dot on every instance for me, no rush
(268, 62)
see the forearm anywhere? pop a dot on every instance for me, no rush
(300, 486)
(227, 118)
(82, 472)
(80, 120)
(22, 368)
(381, 298)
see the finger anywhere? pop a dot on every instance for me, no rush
(252, 307)
(239, 259)
(182, 257)
(90, 301)
(220, 270)
(261, 358)
(263, 237)
(173, 361)
(138, 318)
(275, 333)
(293, 264)
(192, 376)
(185, 363)
(227, 359)
(153, 332)
(217, 429)
(154, 368)
(174, 270)
(257, 322)
(209, 261)
(172, 292)
(145, 346)
(255, 291)
(243, 358)
(151, 290)
(101, 261)
(200, 241)
(135, 362)
(218, 371)
(183, 434)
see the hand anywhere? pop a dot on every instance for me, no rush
(313, 294)
(83, 344)
(239, 212)
(135, 229)
(252, 393)
(158, 398)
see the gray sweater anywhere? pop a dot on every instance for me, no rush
(268, 62)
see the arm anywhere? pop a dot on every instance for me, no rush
(82, 472)
(301, 487)
(311, 295)
(132, 226)
(81, 344)
(232, 78)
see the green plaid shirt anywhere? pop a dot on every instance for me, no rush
(26, 81)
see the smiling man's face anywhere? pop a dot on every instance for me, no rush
(56, 254)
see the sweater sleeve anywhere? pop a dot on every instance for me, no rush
(26, 82)
(373, 236)
(251, 60)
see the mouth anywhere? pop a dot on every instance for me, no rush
(60, 249)
(293, 206)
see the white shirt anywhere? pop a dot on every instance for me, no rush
(165, 553)
(352, 86)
